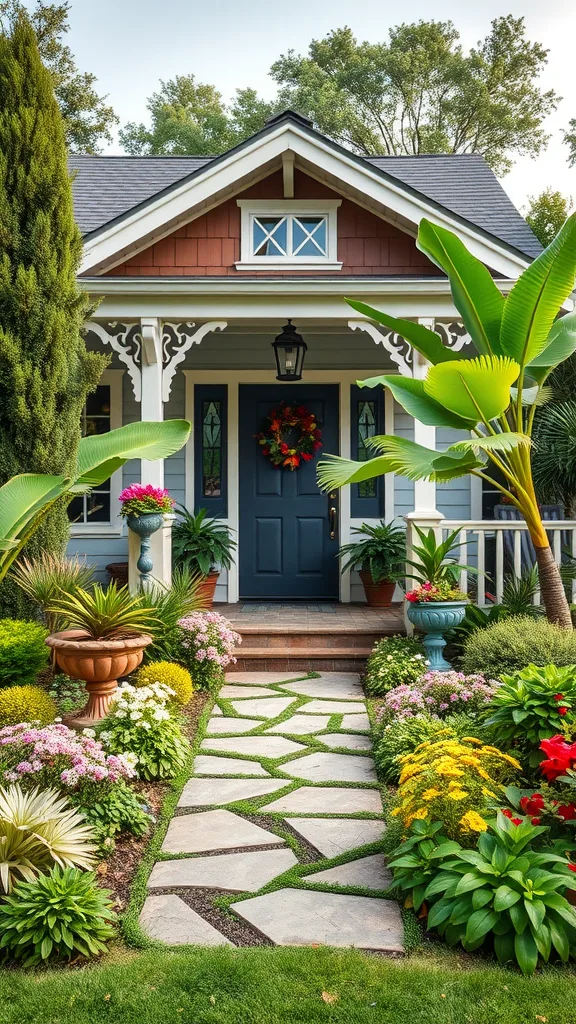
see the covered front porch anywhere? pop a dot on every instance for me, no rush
(220, 373)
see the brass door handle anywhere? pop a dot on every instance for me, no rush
(333, 520)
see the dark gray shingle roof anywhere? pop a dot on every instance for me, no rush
(106, 187)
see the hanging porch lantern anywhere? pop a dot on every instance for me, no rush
(289, 349)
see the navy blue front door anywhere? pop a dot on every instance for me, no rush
(285, 546)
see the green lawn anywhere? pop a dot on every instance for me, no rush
(285, 986)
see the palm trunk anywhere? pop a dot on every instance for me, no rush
(552, 588)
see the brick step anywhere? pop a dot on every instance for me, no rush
(268, 660)
(305, 642)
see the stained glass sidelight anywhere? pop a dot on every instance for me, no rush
(365, 428)
(212, 449)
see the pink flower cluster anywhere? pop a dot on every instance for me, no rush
(70, 757)
(210, 638)
(439, 694)
(140, 499)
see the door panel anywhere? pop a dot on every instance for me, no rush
(285, 550)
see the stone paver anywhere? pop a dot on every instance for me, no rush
(343, 739)
(170, 920)
(299, 917)
(333, 836)
(302, 725)
(247, 691)
(320, 767)
(341, 685)
(207, 792)
(230, 872)
(264, 707)
(234, 725)
(214, 830)
(260, 678)
(328, 800)
(365, 873)
(255, 746)
(360, 723)
(333, 707)
(206, 765)
(216, 710)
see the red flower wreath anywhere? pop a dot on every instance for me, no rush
(290, 436)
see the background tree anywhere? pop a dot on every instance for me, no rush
(189, 117)
(45, 370)
(420, 93)
(547, 213)
(88, 119)
(570, 141)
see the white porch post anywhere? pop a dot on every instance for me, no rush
(152, 408)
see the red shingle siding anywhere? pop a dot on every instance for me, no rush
(210, 245)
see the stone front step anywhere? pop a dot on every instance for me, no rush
(325, 639)
(302, 661)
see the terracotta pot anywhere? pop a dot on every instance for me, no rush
(207, 588)
(100, 663)
(378, 595)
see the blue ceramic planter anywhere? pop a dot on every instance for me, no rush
(145, 525)
(434, 618)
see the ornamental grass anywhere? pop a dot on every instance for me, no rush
(452, 781)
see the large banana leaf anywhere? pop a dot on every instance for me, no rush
(504, 442)
(561, 344)
(473, 387)
(21, 498)
(537, 296)
(427, 342)
(410, 394)
(399, 455)
(475, 294)
(100, 455)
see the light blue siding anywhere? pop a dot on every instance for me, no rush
(453, 498)
(403, 488)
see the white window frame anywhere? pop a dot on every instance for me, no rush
(251, 208)
(115, 528)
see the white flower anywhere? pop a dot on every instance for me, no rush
(135, 715)
(160, 715)
(390, 658)
(57, 720)
(145, 725)
(104, 736)
(121, 714)
(89, 733)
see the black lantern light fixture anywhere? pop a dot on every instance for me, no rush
(289, 349)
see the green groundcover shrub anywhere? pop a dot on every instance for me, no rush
(394, 660)
(402, 737)
(26, 704)
(23, 653)
(512, 644)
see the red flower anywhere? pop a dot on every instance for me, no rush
(532, 804)
(506, 812)
(560, 756)
(284, 448)
(516, 821)
(572, 867)
(302, 411)
(292, 461)
(567, 811)
(306, 456)
(318, 435)
(562, 710)
(317, 445)
(558, 696)
(535, 821)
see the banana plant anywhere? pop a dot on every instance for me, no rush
(25, 499)
(493, 396)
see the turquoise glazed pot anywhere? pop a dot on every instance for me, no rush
(433, 618)
(145, 525)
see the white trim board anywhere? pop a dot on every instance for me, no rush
(119, 240)
(115, 528)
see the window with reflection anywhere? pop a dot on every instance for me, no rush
(95, 506)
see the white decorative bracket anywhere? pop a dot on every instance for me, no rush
(454, 335)
(177, 340)
(125, 340)
(399, 349)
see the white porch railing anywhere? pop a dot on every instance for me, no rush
(496, 548)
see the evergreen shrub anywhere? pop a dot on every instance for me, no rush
(516, 642)
(23, 652)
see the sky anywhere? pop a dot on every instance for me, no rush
(131, 44)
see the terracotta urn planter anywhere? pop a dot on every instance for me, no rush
(378, 595)
(100, 663)
(207, 589)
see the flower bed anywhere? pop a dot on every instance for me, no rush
(207, 647)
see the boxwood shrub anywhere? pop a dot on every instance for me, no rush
(23, 653)
(514, 643)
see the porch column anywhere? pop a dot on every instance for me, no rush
(152, 408)
(424, 490)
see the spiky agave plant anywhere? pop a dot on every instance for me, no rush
(111, 614)
(44, 578)
(493, 396)
(37, 830)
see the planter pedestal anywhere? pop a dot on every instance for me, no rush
(434, 618)
(100, 663)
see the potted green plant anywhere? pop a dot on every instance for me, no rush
(379, 554)
(105, 640)
(204, 546)
(436, 603)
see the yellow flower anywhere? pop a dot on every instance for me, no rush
(473, 821)
(488, 792)
(472, 739)
(450, 772)
(420, 814)
(396, 812)
(409, 771)
(470, 759)
(457, 794)
(483, 774)
(429, 794)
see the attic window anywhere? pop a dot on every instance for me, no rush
(277, 235)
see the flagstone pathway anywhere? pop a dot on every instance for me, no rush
(283, 810)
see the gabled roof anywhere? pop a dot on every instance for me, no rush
(132, 201)
(106, 187)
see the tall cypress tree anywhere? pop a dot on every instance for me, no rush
(45, 371)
